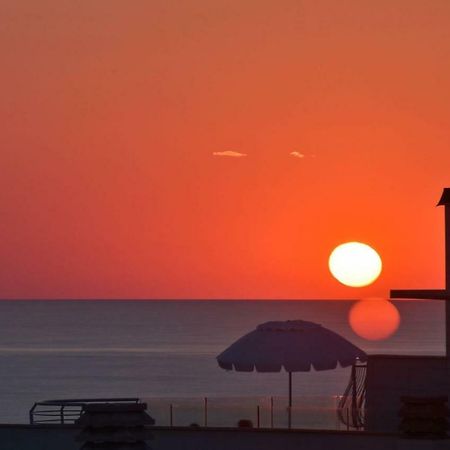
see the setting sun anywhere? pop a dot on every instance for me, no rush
(355, 264)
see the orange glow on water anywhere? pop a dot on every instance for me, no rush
(374, 319)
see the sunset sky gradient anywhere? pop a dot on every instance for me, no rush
(111, 113)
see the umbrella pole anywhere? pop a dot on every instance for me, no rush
(290, 401)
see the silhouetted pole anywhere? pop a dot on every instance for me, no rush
(290, 401)
(271, 412)
(437, 294)
(445, 200)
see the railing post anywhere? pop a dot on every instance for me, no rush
(354, 399)
(61, 414)
(290, 401)
(271, 412)
(336, 406)
(257, 416)
(171, 414)
(32, 414)
(206, 411)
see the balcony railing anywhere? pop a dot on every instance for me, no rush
(67, 411)
(258, 412)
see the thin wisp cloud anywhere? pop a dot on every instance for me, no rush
(297, 154)
(230, 153)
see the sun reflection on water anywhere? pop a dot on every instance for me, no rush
(374, 319)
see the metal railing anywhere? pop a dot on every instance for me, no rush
(327, 412)
(315, 412)
(69, 410)
(351, 406)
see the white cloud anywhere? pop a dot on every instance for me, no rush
(297, 154)
(230, 153)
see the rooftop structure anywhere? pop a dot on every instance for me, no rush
(437, 294)
(391, 378)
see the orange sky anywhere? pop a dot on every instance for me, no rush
(111, 112)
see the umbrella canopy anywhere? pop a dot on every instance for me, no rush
(294, 345)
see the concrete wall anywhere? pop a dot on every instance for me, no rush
(390, 376)
(25, 437)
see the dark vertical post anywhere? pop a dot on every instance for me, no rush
(336, 406)
(206, 412)
(258, 416)
(355, 411)
(447, 279)
(171, 414)
(290, 401)
(271, 412)
(445, 201)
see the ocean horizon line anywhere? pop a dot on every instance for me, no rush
(133, 299)
(161, 300)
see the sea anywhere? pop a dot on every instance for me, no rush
(164, 352)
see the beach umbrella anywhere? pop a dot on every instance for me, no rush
(295, 345)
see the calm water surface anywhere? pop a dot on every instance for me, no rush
(64, 349)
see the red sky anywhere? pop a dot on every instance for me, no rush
(111, 112)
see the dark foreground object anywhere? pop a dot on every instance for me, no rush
(62, 437)
(424, 417)
(115, 426)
